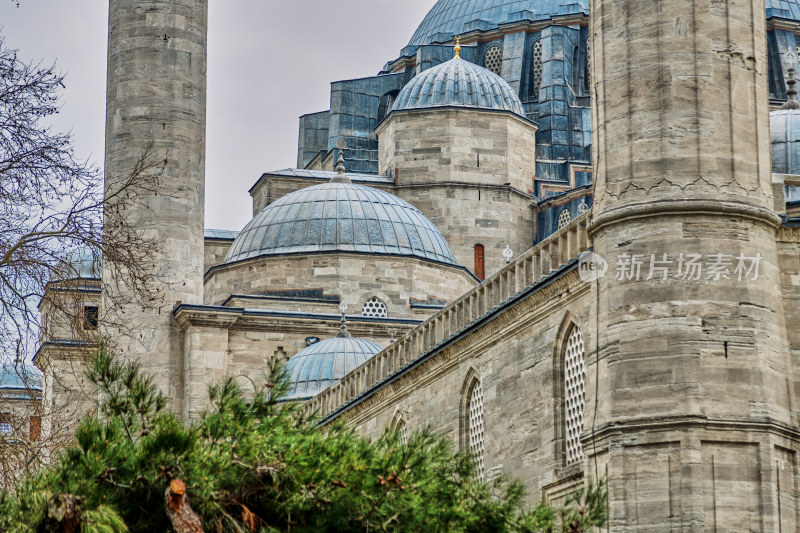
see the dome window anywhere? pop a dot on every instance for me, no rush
(493, 59)
(537, 68)
(374, 307)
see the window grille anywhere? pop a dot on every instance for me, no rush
(493, 59)
(564, 218)
(574, 394)
(401, 428)
(475, 413)
(537, 68)
(588, 76)
(374, 307)
(5, 423)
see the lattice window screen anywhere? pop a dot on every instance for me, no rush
(574, 394)
(537, 68)
(588, 65)
(374, 307)
(493, 59)
(401, 427)
(564, 218)
(475, 411)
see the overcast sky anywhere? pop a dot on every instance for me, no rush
(268, 63)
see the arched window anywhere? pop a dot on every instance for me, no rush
(564, 218)
(374, 307)
(537, 68)
(574, 394)
(493, 59)
(475, 424)
(480, 271)
(399, 425)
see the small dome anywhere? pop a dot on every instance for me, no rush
(339, 216)
(784, 125)
(83, 263)
(19, 378)
(458, 83)
(455, 17)
(317, 367)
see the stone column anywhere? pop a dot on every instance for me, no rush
(157, 94)
(691, 387)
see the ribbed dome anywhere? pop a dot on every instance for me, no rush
(340, 217)
(458, 83)
(19, 378)
(317, 367)
(454, 17)
(784, 125)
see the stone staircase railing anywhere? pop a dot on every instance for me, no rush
(524, 272)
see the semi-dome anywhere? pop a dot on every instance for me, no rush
(448, 18)
(19, 378)
(317, 367)
(340, 216)
(458, 83)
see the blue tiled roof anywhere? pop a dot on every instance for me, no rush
(317, 367)
(328, 174)
(340, 217)
(20, 377)
(458, 83)
(784, 125)
(223, 234)
(454, 17)
(785, 9)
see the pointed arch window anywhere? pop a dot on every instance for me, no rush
(574, 394)
(399, 425)
(475, 434)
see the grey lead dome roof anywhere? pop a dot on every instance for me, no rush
(454, 17)
(458, 83)
(340, 217)
(317, 367)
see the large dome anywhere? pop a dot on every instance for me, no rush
(458, 83)
(454, 17)
(340, 217)
(784, 125)
(317, 367)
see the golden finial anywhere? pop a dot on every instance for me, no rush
(458, 47)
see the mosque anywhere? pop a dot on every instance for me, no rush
(564, 233)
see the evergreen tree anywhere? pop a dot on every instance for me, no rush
(255, 464)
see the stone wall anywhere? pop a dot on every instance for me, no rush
(508, 333)
(354, 277)
(233, 342)
(214, 252)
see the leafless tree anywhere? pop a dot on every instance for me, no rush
(53, 216)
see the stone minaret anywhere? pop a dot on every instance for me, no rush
(157, 94)
(692, 417)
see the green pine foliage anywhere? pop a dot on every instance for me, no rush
(255, 464)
